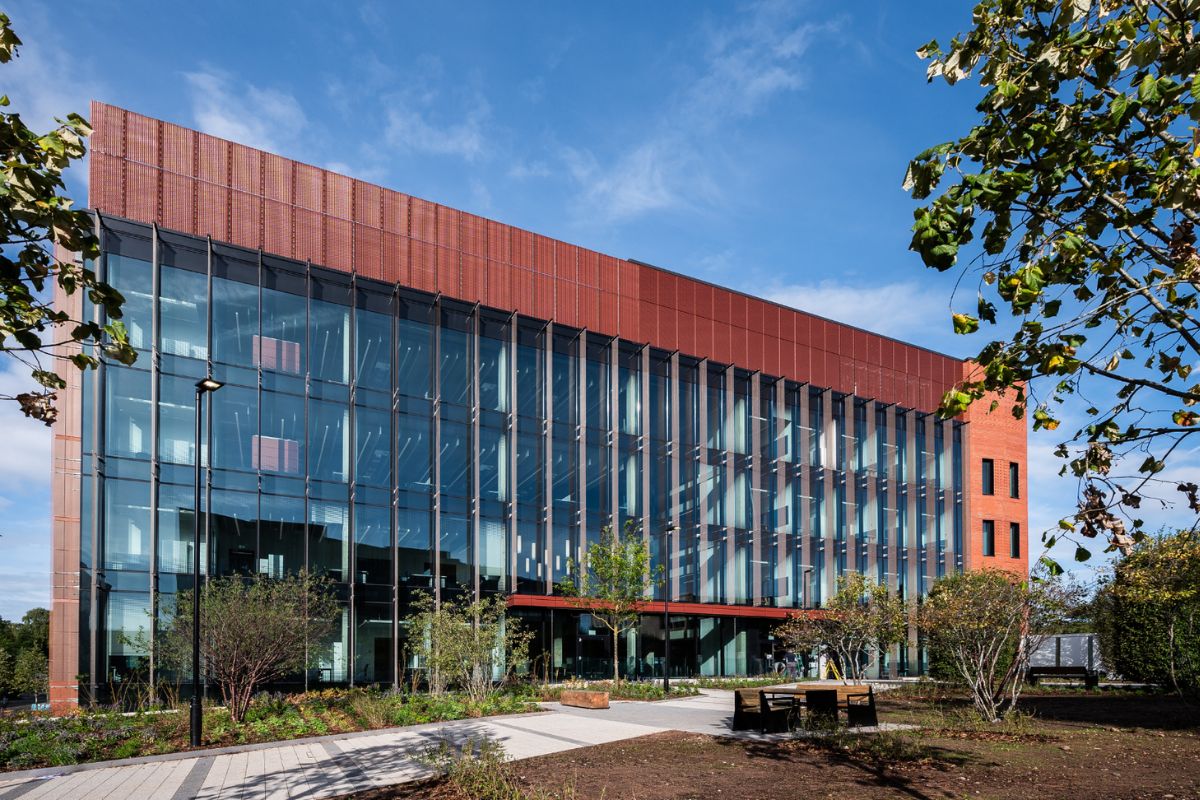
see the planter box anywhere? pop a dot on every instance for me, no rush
(583, 698)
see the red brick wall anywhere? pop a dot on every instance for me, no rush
(1003, 438)
(152, 171)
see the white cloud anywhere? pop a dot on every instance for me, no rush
(259, 117)
(656, 175)
(25, 456)
(24, 501)
(903, 309)
(744, 68)
(750, 63)
(48, 78)
(410, 128)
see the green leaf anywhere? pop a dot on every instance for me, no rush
(1148, 90)
(965, 323)
(1082, 553)
(1118, 109)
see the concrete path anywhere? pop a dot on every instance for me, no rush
(327, 766)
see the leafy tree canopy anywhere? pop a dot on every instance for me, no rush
(1077, 191)
(861, 621)
(40, 234)
(613, 583)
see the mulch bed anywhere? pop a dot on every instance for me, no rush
(1079, 747)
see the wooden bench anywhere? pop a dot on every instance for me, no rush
(1090, 678)
(583, 698)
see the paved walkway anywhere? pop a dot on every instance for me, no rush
(309, 769)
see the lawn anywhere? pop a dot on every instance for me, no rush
(1068, 745)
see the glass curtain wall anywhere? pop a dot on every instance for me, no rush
(398, 442)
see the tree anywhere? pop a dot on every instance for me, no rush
(1081, 181)
(613, 583)
(1148, 613)
(466, 642)
(34, 630)
(860, 621)
(253, 631)
(7, 678)
(40, 230)
(31, 673)
(986, 624)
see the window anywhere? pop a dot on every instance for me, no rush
(1014, 479)
(1014, 540)
(989, 476)
(989, 537)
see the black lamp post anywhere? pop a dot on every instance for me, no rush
(667, 613)
(203, 387)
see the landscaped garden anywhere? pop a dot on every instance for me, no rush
(1076, 744)
(39, 740)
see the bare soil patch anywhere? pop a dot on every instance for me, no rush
(1082, 747)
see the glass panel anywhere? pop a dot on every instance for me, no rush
(414, 541)
(373, 540)
(413, 442)
(235, 428)
(456, 553)
(280, 445)
(175, 527)
(373, 343)
(414, 374)
(328, 431)
(531, 373)
(234, 532)
(494, 372)
(183, 313)
(128, 417)
(235, 322)
(281, 348)
(126, 525)
(177, 419)
(373, 454)
(455, 459)
(281, 540)
(493, 464)
(455, 372)
(493, 554)
(529, 467)
(133, 278)
(328, 543)
(127, 629)
(373, 643)
(330, 338)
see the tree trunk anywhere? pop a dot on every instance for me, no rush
(616, 658)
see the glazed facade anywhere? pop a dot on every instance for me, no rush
(397, 441)
(419, 399)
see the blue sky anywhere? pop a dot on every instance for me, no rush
(757, 145)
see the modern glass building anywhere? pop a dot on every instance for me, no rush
(434, 415)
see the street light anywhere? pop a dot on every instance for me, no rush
(203, 386)
(667, 615)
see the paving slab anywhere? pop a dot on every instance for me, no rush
(327, 766)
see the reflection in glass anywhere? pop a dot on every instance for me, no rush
(373, 336)
(328, 544)
(235, 322)
(128, 423)
(183, 313)
(373, 538)
(127, 525)
(330, 338)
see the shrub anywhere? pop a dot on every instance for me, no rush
(1147, 613)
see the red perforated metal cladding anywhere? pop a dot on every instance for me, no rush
(153, 171)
